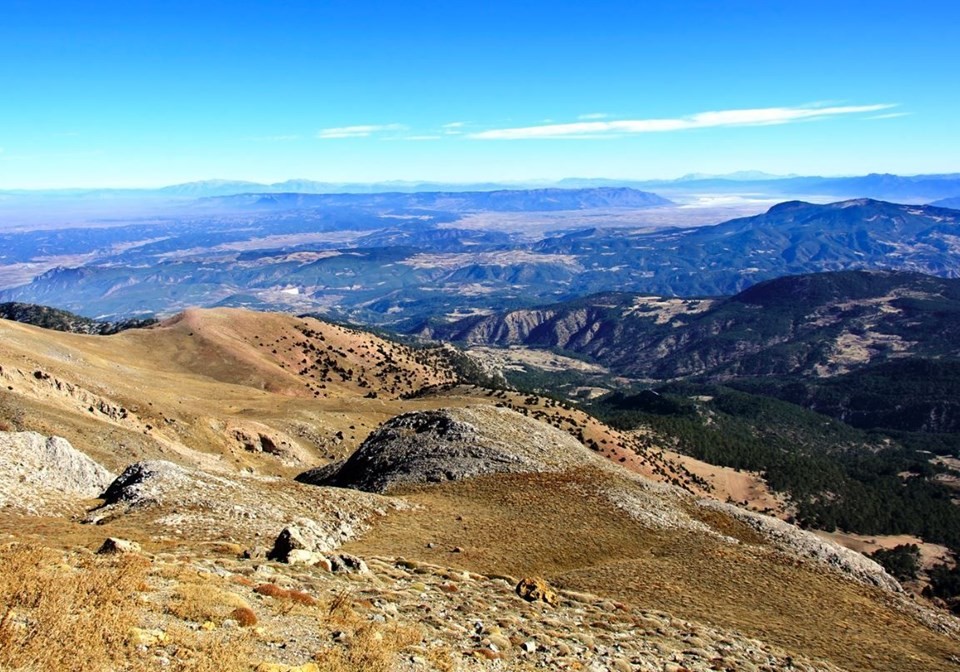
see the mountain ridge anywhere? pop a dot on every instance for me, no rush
(376, 268)
(885, 186)
(814, 317)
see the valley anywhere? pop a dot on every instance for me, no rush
(403, 260)
(707, 455)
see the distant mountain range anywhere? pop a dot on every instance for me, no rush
(882, 186)
(502, 200)
(790, 238)
(953, 203)
(900, 188)
(373, 267)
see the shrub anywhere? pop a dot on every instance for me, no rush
(902, 562)
(244, 616)
(270, 590)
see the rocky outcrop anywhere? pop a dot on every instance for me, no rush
(116, 546)
(306, 535)
(244, 509)
(147, 483)
(452, 444)
(46, 475)
(791, 539)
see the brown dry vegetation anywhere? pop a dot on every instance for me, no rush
(523, 525)
(79, 611)
(186, 391)
(201, 602)
(54, 613)
(370, 646)
(65, 612)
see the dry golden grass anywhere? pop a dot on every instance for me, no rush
(199, 651)
(550, 524)
(368, 646)
(54, 614)
(200, 602)
(372, 647)
(62, 612)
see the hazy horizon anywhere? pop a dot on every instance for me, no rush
(519, 183)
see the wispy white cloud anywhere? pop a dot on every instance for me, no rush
(593, 115)
(453, 128)
(362, 131)
(890, 115)
(764, 116)
(421, 137)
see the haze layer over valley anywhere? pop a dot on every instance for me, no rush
(401, 258)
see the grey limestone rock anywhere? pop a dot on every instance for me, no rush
(451, 444)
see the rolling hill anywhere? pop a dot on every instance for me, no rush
(207, 417)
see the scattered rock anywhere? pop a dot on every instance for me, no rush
(306, 535)
(254, 553)
(300, 556)
(536, 589)
(114, 546)
(347, 563)
(244, 509)
(141, 637)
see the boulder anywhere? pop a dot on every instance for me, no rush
(115, 546)
(535, 589)
(44, 474)
(305, 535)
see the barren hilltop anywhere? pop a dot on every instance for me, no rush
(230, 490)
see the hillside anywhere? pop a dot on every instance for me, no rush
(833, 476)
(207, 417)
(62, 320)
(222, 386)
(235, 390)
(818, 324)
(759, 377)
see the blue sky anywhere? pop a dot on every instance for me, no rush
(144, 94)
